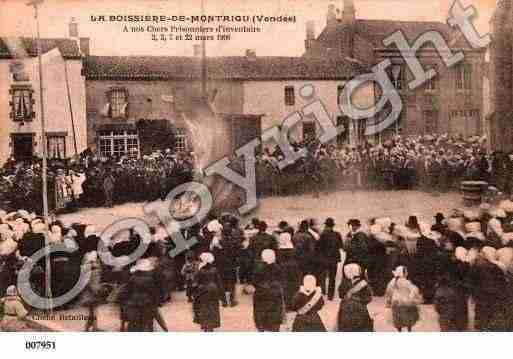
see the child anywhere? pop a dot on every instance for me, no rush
(189, 271)
(403, 297)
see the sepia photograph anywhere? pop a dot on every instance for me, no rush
(255, 166)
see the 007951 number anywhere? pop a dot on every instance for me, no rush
(40, 345)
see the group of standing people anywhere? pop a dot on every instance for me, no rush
(458, 262)
(93, 182)
(419, 162)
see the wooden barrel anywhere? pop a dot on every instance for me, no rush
(473, 192)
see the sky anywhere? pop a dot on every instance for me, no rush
(278, 39)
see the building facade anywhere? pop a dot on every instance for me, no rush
(252, 93)
(63, 96)
(449, 103)
(501, 77)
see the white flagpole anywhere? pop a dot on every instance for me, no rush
(48, 274)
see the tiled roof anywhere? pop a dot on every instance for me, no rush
(22, 46)
(227, 68)
(375, 31)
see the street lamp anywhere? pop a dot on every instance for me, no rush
(48, 275)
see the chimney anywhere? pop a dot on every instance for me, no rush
(331, 17)
(84, 46)
(73, 28)
(251, 54)
(196, 48)
(310, 34)
(348, 21)
(310, 30)
(349, 12)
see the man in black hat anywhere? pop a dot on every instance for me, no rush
(357, 246)
(328, 252)
(439, 225)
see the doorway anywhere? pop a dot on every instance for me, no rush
(23, 146)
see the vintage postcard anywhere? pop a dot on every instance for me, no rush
(256, 166)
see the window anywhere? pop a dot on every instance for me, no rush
(180, 140)
(309, 131)
(290, 99)
(430, 122)
(22, 104)
(432, 84)
(56, 146)
(343, 136)
(340, 90)
(17, 69)
(118, 99)
(119, 143)
(463, 76)
(397, 76)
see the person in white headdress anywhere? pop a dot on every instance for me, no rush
(307, 303)
(494, 234)
(207, 294)
(403, 297)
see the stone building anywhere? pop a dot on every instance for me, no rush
(251, 92)
(449, 103)
(63, 95)
(501, 77)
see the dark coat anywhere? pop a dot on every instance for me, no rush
(260, 242)
(329, 246)
(140, 300)
(425, 267)
(376, 266)
(290, 275)
(206, 306)
(489, 288)
(206, 298)
(309, 321)
(305, 244)
(451, 305)
(268, 299)
(357, 249)
(353, 315)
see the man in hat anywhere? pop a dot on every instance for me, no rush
(261, 241)
(440, 226)
(357, 245)
(328, 252)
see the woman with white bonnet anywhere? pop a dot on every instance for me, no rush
(403, 297)
(207, 294)
(268, 299)
(289, 266)
(494, 234)
(307, 303)
(14, 312)
(353, 315)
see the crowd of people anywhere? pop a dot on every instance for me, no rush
(418, 162)
(449, 261)
(93, 181)
(424, 162)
